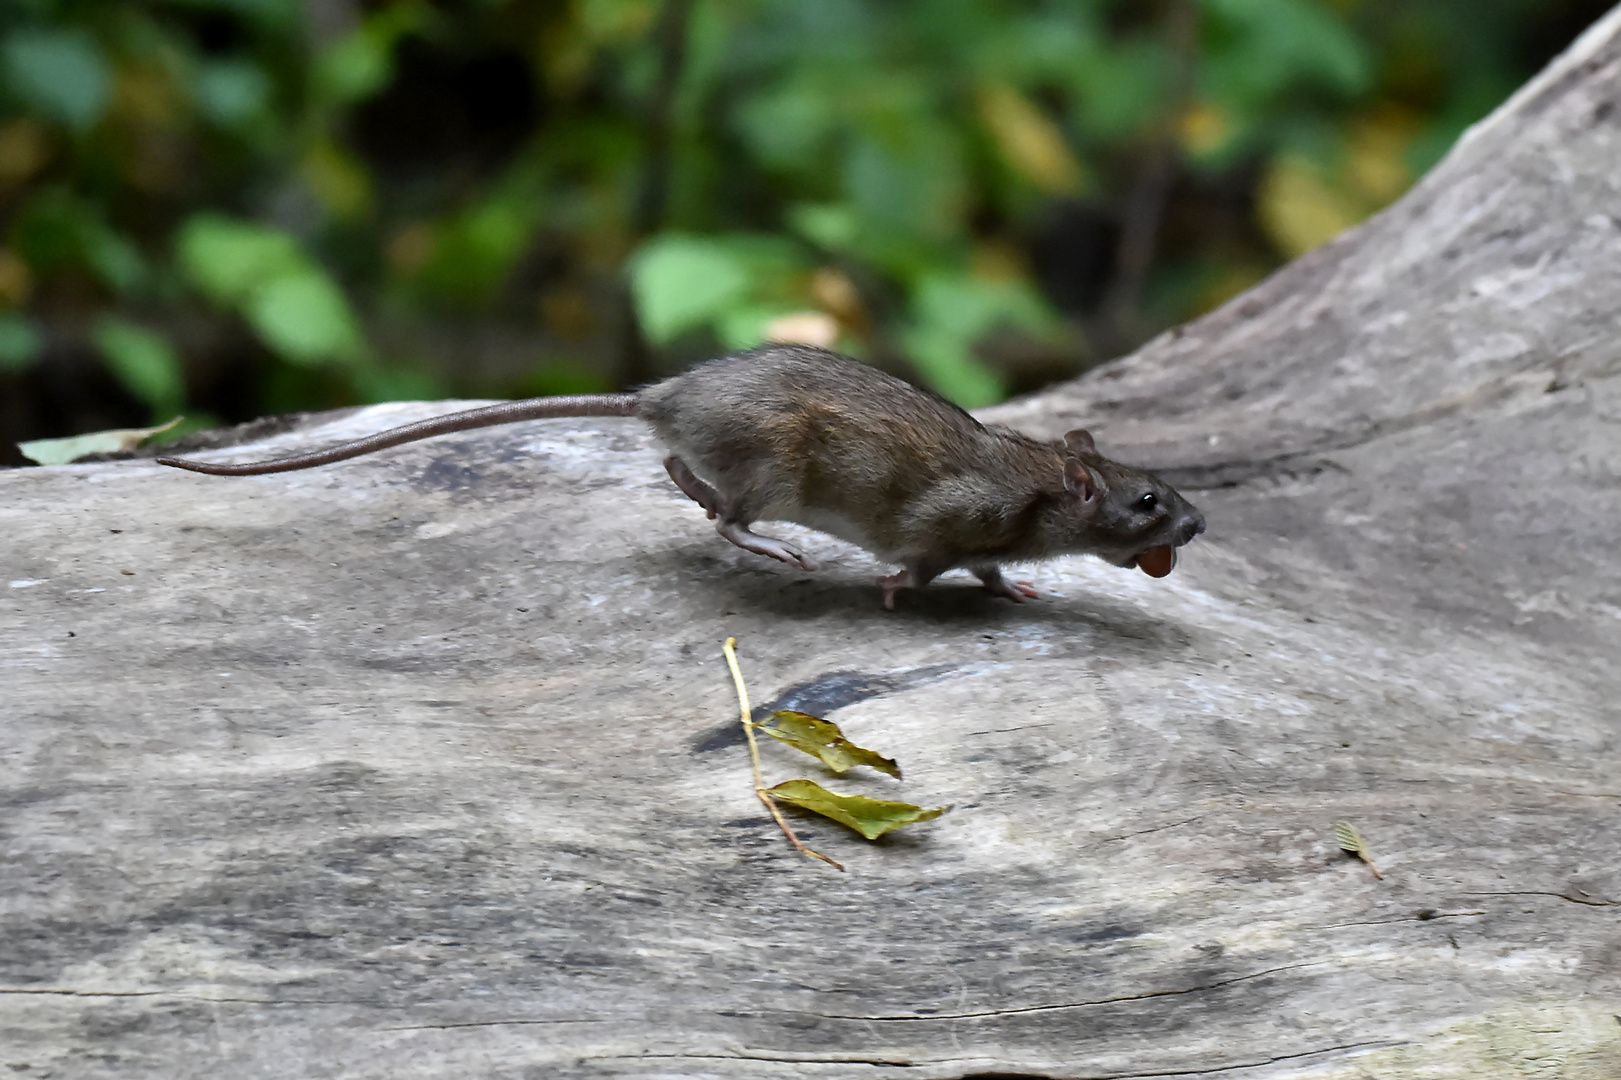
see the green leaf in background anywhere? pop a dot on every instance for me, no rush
(356, 67)
(115, 260)
(60, 72)
(682, 282)
(953, 311)
(472, 253)
(297, 310)
(871, 818)
(143, 361)
(378, 384)
(1121, 89)
(1262, 48)
(338, 178)
(231, 92)
(56, 229)
(950, 369)
(1047, 45)
(735, 284)
(913, 179)
(833, 226)
(361, 63)
(823, 740)
(20, 342)
(746, 327)
(788, 125)
(228, 260)
(62, 451)
(305, 318)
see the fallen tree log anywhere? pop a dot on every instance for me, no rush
(425, 764)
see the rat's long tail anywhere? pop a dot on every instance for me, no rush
(506, 413)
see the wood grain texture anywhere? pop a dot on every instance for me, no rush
(424, 765)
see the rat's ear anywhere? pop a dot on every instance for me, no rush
(1079, 442)
(1079, 480)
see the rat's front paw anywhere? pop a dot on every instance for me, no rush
(894, 583)
(1017, 591)
(997, 585)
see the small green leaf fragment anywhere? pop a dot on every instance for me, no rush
(355, 67)
(228, 259)
(231, 92)
(143, 361)
(305, 319)
(682, 282)
(871, 818)
(20, 342)
(62, 451)
(823, 740)
(62, 73)
(1350, 840)
(831, 225)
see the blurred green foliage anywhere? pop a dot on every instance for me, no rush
(233, 206)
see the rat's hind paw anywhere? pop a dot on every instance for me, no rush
(791, 556)
(765, 545)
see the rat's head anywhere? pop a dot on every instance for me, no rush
(1124, 515)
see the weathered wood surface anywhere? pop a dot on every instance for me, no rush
(422, 765)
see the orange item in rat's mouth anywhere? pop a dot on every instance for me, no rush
(1157, 561)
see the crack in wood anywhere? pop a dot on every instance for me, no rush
(1596, 901)
(1155, 829)
(1024, 1009)
(999, 1074)
(174, 996)
(785, 1059)
(454, 1025)
(1435, 917)
(58, 992)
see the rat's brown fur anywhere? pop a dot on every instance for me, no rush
(795, 433)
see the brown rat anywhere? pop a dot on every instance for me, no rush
(796, 433)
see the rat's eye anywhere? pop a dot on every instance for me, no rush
(1146, 503)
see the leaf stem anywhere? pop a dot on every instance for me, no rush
(730, 649)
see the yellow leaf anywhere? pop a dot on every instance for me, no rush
(823, 740)
(411, 248)
(146, 94)
(1202, 128)
(338, 179)
(1029, 140)
(23, 150)
(1377, 154)
(1299, 209)
(62, 451)
(16, 280)
(871, 818)
(1350, 840)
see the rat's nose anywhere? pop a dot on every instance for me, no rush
(1189, 527)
